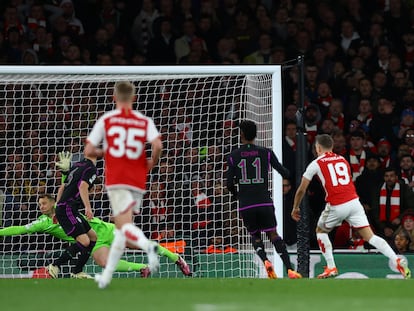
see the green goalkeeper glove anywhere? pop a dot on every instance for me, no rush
(63, 164)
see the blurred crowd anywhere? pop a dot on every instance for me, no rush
(359, 69)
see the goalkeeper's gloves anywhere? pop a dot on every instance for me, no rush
(63, 164)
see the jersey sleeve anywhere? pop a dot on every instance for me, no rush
(311, 170)
(39, 225)
(97, 134)
(14, 230)
(152, 132)
(90, 175)
(274, 162)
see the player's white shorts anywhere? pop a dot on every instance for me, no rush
(123, 199)
(352, 211)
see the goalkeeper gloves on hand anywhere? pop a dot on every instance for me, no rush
(64, 162)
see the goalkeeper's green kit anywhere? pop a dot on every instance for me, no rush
(104, 231)
(45, 224)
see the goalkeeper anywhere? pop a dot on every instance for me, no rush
(47, 223)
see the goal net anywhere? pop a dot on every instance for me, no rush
(187, 208)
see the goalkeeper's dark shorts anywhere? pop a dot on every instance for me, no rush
(259, 217)
(71, 221)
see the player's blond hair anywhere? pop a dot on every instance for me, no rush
(124, 91)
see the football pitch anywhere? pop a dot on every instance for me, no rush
(207, 294)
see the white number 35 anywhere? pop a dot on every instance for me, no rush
(126, 142)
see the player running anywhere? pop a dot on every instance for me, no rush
(48, 224)
(124, 133)
(342, 203)
(249, 167)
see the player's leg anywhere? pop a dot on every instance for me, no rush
(329, 219)
(134, 235)
(358, 220)
(280, 246)
(100, 256)
(86, 241)
(251, 222)
(68, 254)
(259, 248)
(122, 202)
(266, 222)
(77, 227)
(173, 257)
(381, 245)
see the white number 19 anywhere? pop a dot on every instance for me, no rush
(339, 173)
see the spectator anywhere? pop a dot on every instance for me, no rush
(402, 241)
(312, 122)
(262, 55)
(335, 113)
(35, 19)
(383, 122)
(408, 140)
(407, 224)
(289, 148)
(350, 38)
(339, 142)
(357, 154)
(182, 45)
(389, 203)
(365, 114)
(74, 24)
(384, 152)
(161, 47)
(366, 184)
(243, 33)
(406, 165)
(142, 31)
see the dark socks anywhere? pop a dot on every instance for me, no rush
(280, 247)
(85, 253)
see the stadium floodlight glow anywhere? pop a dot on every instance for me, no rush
(48, 109)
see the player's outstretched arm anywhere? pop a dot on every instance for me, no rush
(13, 230)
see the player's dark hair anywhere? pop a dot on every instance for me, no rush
(325, 141)
(249, 129)
(390, 169)
(47, 196)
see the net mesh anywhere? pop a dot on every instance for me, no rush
(197, 117)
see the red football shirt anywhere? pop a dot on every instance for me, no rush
(334, 173)
(124, 134)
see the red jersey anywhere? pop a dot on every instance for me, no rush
(334, 173)
(124, 134)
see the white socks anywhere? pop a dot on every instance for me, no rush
(135, 236)
(115, 253)
(381, 245)
(325, 246)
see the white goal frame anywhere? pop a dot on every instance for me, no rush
(213, 70)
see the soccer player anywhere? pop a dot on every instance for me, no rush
(47, 223)
(73, 195)
(124, 133)
(342, 203)
(249, 166)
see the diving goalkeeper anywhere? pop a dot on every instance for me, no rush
(48, 224)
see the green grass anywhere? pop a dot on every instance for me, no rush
(207, 295)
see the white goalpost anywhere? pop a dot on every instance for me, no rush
(48, 109)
